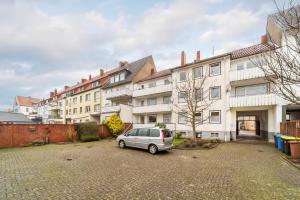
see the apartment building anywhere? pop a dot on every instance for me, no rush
(118, 91)
(152, 100)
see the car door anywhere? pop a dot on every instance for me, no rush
(142, 138)
(130, 140)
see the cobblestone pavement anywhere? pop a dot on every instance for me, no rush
(100, 170)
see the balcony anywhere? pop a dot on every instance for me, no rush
(237, 75)
(153, 90)
(54, 107)
(54, 117)
(152, 109)
(170, 126)
(121, 94)
(257, 100)
(111, 109)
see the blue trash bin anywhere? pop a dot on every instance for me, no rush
(279, 142)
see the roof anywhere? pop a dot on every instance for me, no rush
(159, 74)
(27, 101)
(202, 60)
(13, 117)
(132, 68)
(252, 50)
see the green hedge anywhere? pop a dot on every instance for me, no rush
(88, 131)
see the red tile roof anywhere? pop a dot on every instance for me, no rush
(159, 74)
(26, 101)
(252, 50)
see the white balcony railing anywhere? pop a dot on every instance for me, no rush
(152, 90)
(237, 75)
(257, 100)
(111, 109)
(54, 107)
(170, 126)
(126, 93)
(152, 108)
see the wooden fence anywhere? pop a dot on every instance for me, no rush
(13, 135)
(291, 128)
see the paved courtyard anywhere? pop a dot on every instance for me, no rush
(100, 170)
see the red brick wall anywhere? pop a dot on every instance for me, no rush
(13, 135)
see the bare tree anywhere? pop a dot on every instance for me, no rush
(281, 64)
(193, 99)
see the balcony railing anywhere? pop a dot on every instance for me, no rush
(111, 109)
(152, 90)
(152, 108)
(54, 107)
(256, 100)
(170, 126)
(54, 117)
(237, 75)
(126, 93)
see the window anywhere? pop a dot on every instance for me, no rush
(133, 132)
(27, 109)
(215, 92)
(87, 97)
(66, 102)
(122, 76)
(167, 118)
(95, 84)
(142, 103)
(214, 135)
(80, 110)
(80, 99)
(166, 100)
(75, 100)
(74, 110)
(97, 95)
(97, 108)
(152, 84)
(81, 88)
(251, 90)
(87, 109)
(182, 76)
(250, 64)
(181, 118)
(143, 132)
(112, 79)
(117, 78)
(198, 72)
(288, 116)
(152, 118)
(198, 117)
(167, 81)
(67, 112)
(240, 67)
(215, 69)
(70, 112)
(151, 101)
(215, 117)
(154, 133)
(181, 97)
(199, 94)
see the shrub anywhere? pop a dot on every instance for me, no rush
(178, 135)
(160, 125)
(88, 131)
(114, 124)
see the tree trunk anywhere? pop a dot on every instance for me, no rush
(194, 129)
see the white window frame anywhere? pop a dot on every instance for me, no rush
(210, 92)
(214, 65)
(210, 118)
(180, 77)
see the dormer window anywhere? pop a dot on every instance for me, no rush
(117, 77)
(112, 79)
(122, 76)
(95, 84)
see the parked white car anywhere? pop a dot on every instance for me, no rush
(152, 139)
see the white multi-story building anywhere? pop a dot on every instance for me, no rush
(27, 106)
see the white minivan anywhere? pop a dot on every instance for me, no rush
(153, 139)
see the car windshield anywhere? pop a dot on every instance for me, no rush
(167, 133)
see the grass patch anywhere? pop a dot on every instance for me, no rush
(178, 141)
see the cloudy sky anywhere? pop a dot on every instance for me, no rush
(46, 44)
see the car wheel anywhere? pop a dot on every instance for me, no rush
(122, 144)
(153, 149)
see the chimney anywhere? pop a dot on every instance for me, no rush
(152, 71)
(183, 58)
(101, 72)
(263, 39)
(83, 80)
(123, 63)
(51, 94)
(90, 77)
(198, 56)
(55, 91)
(66, 87)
